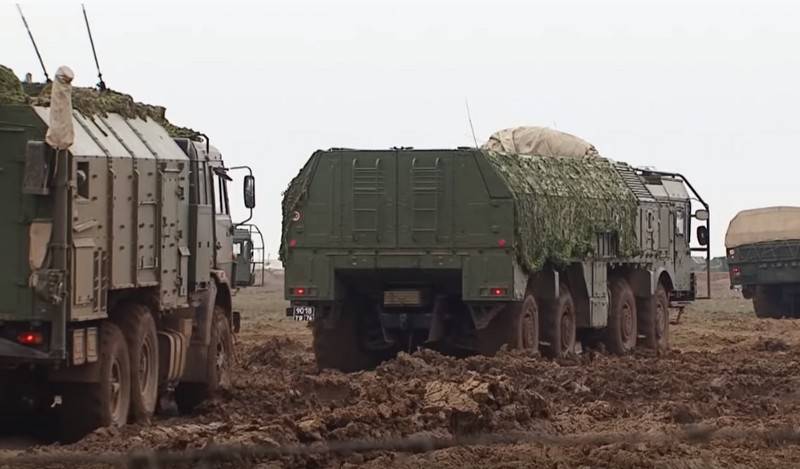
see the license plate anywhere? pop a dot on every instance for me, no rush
(303, 313)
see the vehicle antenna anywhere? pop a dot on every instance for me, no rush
(471, 127)
(101, 84)
(33, 41)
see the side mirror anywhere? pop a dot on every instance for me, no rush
(701, 214)
(249, 191)
(702, 235)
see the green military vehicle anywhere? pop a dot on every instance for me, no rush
(763, 249)
(116, 293)
(472, 249)
(248, 252)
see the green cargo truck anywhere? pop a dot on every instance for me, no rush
(763, 248)
(470, 250)
(116, 289)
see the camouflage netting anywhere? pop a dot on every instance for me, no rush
(562, 203)
(90, 102)
(292, 196)
(10, 88)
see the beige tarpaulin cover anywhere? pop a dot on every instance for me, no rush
(539, 141)
(763, 224)
(60, 134)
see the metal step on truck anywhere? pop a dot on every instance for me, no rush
(472, 249)
(118, 245)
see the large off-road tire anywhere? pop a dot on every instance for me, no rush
(621, 333)
(516, 326)
(653, 320)
(766, 303)
(558, 324)
(86, 406)
(337, 344)
(139, 329)
(218, 366)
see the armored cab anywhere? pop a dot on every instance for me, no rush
(763, 251)
(119, 257)
(472, 249)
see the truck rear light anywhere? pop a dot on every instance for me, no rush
(298, 291)
(30, 338)
(497, 291)
(736, 271)
(292, 243)
(501, 243)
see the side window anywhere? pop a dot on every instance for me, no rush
(202, 191)
(680, 222)
(220, 193)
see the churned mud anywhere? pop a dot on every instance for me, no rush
(726, 368)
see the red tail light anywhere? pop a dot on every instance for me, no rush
(30, 338)
(498, 291)
(292, 243)
(501, 243)
(736, 271)
(300, 291)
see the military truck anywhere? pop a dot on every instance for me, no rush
(467, 250)
(763, 249)
(248, 251)
(116, 293)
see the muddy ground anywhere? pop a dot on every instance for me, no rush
(726, 368)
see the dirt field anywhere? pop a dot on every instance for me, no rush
(726, 368)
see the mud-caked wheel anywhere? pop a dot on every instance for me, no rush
(766, 302)
(218, 366)
(86, 406)
(139, 329)
(516, 326)
(558, 324)
(621, 332)
(653, 320)
(337, 342)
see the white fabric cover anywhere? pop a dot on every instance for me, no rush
(539, 141)
(61, 134)
(763, 224)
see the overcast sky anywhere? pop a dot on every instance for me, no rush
(705, 88)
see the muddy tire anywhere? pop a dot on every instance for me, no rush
(87, 406)
(516, 326)
(621, 333)
(339, 347)
(653, 319)
(219, 365)
(765, 302)
(558, 325)
(139, 329)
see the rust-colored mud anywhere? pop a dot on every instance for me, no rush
(726, 368)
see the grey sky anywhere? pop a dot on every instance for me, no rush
(707, 88)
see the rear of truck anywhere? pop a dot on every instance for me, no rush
(763, 252)
(407, 239)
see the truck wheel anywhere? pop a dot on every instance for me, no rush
(621, 333)
(516, 326)
(86, 406)
(219, 362)
(559, 324)
(654, 320)
(765, 303)
(139, 329)
(339, 347)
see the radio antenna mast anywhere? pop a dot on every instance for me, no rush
(469, 119)
(101, 84)
(33, 41)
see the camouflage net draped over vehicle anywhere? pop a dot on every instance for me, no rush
(10, 87)
(291, 197)
(562, 203)
(89, 102)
